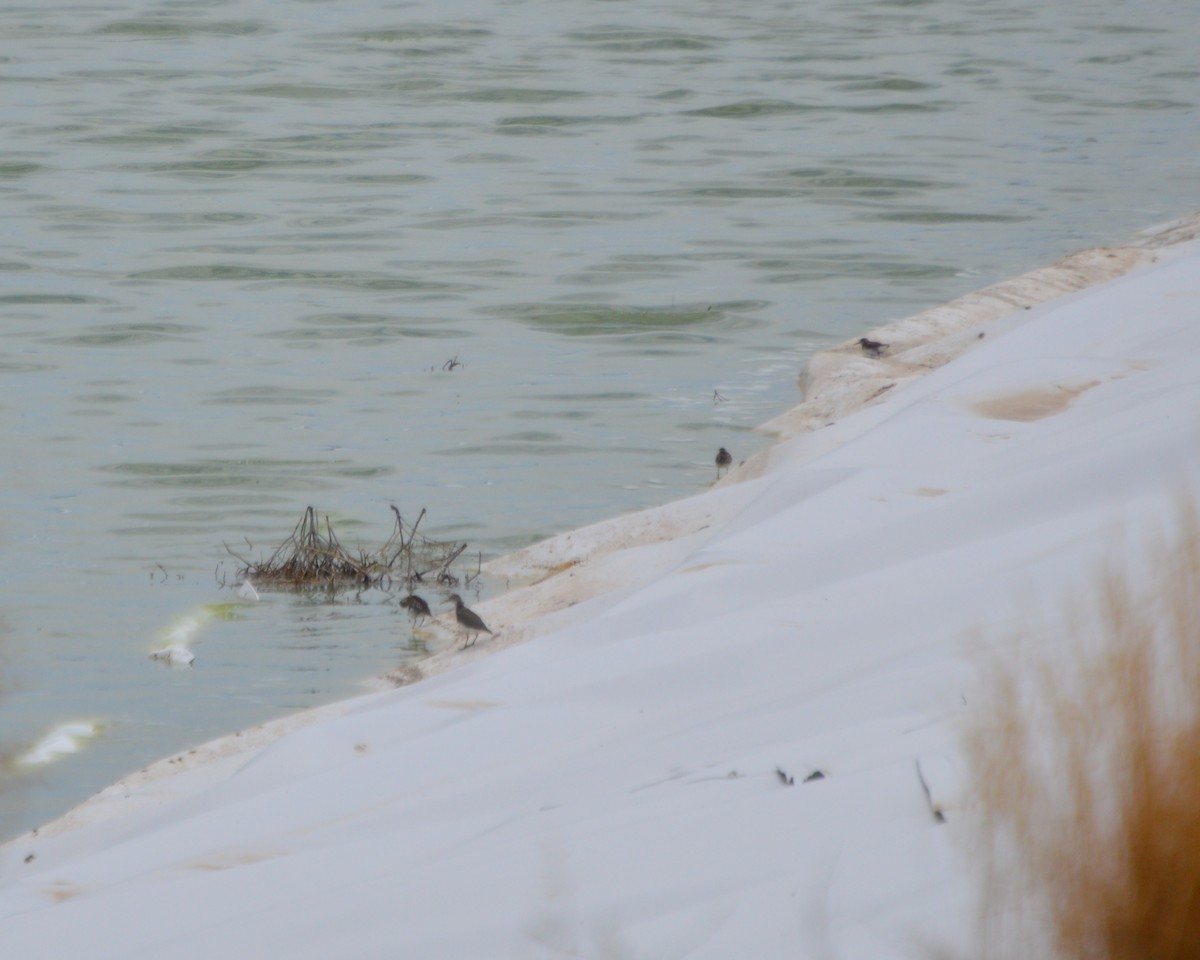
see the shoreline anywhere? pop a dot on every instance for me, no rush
(573, 574)
(573, 567)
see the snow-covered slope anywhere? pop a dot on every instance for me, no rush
(639, 778)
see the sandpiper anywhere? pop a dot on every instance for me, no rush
(724, 459)
(416, 606)
(872, 348)
(469, 619)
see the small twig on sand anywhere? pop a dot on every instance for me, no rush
(938, 816)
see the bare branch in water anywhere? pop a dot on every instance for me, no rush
(315, 558)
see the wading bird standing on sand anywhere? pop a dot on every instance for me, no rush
(724, 459)
(416, 606)
(468, 618)
(872, 348)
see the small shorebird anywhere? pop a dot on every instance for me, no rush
(872, 348)
(468, 618)
(724, 459)
(416, 606)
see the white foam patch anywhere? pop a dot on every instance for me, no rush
(64, 740)
(176, 648)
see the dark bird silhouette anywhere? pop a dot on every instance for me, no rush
(872, 348)
(724, 459)
(416, 606)
(468, 618)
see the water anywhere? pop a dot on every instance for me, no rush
(242, 241)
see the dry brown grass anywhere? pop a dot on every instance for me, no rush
(1087, 763)
(314, 558)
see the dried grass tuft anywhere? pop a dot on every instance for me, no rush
(1088, 773)
(313, 557)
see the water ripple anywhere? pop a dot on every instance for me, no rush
(295, 475)
(226, 272)
(633, 40)
(586, 320)
(169, 28)
(126, 335)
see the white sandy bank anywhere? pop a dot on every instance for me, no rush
(608, 776)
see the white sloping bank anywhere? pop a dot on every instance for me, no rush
(630, 782)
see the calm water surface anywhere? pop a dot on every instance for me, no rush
(242, 240)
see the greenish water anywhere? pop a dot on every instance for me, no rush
(242, 242)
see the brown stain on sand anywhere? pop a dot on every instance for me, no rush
(697, 567)
(1035, 403)
(556, 570)
(229, 859)
(60, 891)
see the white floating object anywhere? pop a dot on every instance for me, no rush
(173, 650)
(63, 740)
(175, 655)
(247, 592)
